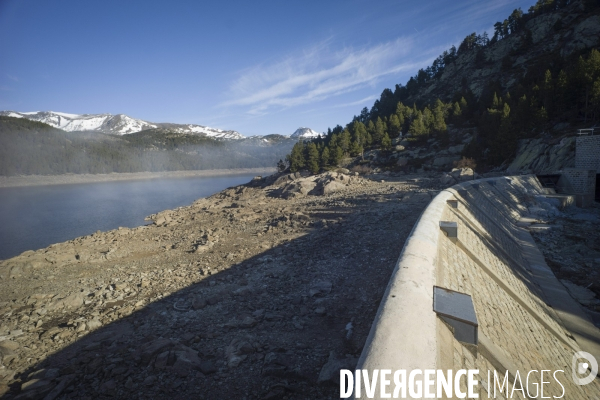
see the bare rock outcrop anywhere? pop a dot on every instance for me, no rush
(539, 155)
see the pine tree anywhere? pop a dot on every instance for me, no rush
(439, 117)
(312, 156)
(356, 149)
(359, 133)
(456, 111)
(325, 157)
(386, 142)
(296, 157)
(371, 129)
(344, 141)
(428, 120)
(463, 105)
(417, 127)
(394, 126)
(336, 155)
(379, 131)
(496, 103)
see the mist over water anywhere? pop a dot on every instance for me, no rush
(37, 216)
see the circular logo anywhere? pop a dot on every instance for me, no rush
(583, 363)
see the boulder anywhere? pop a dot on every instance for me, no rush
(445, 160)
(151, 349)
(35, 389)
(283, 180)
(73, 300)
(108, 388)
(447, 180)
(93, 324)
(186, 360)
(320, 288)
(198, 303)
(299, 187)
(402, 161)
(456, 149)
(8, 348)
(237, 351)
(462, 174)
(330, 373)
(333, 187)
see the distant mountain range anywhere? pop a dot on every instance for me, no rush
(119, 124)
(122, 124)
(33, 147)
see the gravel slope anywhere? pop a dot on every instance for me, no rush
(257, 292)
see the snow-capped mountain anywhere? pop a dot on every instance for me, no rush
(201, 130)
(305, 133)
(119, 124)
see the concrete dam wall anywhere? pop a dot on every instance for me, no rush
(473, 239)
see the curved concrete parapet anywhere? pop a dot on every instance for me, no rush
(526, 319)
(403, 333)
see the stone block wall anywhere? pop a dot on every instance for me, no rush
(580, 181)
(587, 153)
(495, 261)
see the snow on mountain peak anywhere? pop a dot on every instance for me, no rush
(305, 133)
(119, 124)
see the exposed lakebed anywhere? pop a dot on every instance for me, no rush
(37, 216)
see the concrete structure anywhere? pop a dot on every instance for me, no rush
(580, 183)
(526, 319)
(587, 157)
(587, 153)
(583, 181)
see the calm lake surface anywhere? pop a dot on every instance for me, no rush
(35, 217)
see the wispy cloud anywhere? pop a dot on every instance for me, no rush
(360, 102)
(316, 74)
(12, 77)
(457, 19)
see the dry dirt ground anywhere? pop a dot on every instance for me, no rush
(571, 246)
(257, 292)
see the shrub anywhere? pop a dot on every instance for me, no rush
(465, 163)
(362, 169)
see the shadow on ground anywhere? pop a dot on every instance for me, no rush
(276, 325)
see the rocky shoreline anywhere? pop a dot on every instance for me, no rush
(261, 291)
(40, 180)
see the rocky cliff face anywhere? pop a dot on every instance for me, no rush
(543, 156)
(563, 32)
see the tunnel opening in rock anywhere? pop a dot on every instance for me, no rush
(549, 181)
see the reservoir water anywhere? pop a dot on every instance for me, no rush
(35, 217)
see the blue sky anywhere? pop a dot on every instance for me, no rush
(258, 67)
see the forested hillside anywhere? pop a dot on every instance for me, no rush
(538, 73)
(29, 147)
